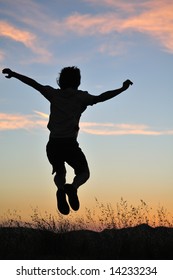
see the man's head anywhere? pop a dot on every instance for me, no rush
(69, 77)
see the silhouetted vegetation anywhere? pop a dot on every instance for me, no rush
(103, 216)
(126, 232)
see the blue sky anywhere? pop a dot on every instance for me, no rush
(127, 140)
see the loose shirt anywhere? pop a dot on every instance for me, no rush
(66, 107)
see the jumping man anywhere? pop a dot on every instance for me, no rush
(67, 103)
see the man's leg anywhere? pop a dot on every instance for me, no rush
(82, 175)
(57, 162)
(55, 157)
(60, 178)
(77, 160)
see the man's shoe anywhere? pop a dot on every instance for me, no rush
(72, 196)
(62, 204)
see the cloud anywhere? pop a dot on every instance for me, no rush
(108, 19)
(119, 5)
(121, 129)
(88, 24)
(2, 55)
(19, 121)
(154, 18)
(8, 30)
(27, 38)
(40, 119)
(41, 114)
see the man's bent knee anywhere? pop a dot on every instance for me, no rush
(81, 178)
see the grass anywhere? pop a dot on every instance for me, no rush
(103, 216)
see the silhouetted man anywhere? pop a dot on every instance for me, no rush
(67, 103)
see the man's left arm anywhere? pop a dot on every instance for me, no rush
(112, 93)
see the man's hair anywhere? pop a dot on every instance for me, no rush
(69, 77)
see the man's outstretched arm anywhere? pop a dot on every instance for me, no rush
(112, 93)
(30, 82)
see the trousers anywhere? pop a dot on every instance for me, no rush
(66, 150)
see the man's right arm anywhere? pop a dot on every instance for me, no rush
(24, 79)
(44, 90)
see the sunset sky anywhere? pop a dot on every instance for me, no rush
(128, 140)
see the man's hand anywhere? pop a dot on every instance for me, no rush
(7, 72)
(126, 84)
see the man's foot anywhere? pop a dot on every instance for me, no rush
(72, 196)
(62, 204)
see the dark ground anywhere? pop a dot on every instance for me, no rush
(141, 243)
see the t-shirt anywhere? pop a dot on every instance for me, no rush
(66, 107)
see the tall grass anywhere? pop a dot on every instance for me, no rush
(103, 216)
(127, 215)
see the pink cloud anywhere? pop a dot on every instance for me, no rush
(151, 17)
(16, 34)
(157, 21)
(119, 5)
(2, 55)
(40, 119)
(154, 18)
(88, 24)
(121, 129)
(19, 121)
(27, 38)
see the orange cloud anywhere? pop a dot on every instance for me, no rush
(121, 129)
(16, 34)
(41, 114)
(88, 24)
(151, 17)
(157, 21)
(154, 18)
(2, 55)
(40, 119)
(18, 121)
(92, 24)
(25, 37)
(119, 5)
